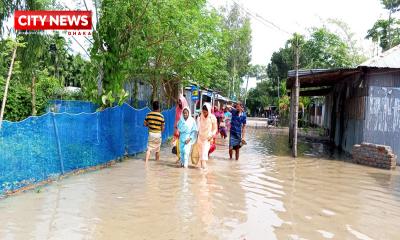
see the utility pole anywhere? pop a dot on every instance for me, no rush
(291, 115)
(296, 100)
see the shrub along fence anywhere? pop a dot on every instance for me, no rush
(40, 148)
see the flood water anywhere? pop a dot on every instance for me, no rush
(265, 195)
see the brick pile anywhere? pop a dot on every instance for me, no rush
(374, 155)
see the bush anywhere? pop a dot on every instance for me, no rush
(19, 99)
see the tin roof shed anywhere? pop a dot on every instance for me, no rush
(388, 59)
(329, 77)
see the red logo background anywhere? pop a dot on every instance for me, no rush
(71, 20)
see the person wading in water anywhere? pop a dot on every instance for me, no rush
(207, 125)
(187, 136)
(237, 131)
(182, 103)
(155, 122)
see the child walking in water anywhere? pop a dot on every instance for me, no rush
(228, 116)
(222, 127)
(187, 136)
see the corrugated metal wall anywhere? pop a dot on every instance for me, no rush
(346, 111)
(143, 97)
(383, 78)
(354, 122)
(365, 107)
(188, 96)
(383, 118)
(143, 93)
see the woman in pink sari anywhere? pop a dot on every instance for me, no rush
(207, 125)
(182, 103)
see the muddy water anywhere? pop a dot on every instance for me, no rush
(265, 195)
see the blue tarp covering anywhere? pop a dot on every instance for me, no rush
(39, 148)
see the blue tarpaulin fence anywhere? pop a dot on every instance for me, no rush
(39, 148)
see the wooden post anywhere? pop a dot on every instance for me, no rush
(291, 114)
(3, 104)
(296, 102)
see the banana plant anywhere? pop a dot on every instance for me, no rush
(122, 96)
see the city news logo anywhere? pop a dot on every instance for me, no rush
(75, 22)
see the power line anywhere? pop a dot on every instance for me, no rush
(273, 24)
(261, 19)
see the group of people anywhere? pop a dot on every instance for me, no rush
(223, 119)
(203, 131)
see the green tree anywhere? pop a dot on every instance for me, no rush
(237, 36)
(344, 31)
(259, 72)
(263, 95)
(392, 5)
(163, 43)
(7, 9)
(325, 49)
(254, 71)
(386, 32)
(321, 49)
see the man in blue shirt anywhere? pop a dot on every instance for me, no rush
(238, 130)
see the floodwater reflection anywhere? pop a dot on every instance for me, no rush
(265, 195)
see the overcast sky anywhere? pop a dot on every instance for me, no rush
(293, 16)
(299, 16)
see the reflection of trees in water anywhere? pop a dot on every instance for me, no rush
(272, 143)
(202, 203)
(220, 198)
(205, 201)
(184, 200)
(327, 196)
(275, 142)
(389, 180)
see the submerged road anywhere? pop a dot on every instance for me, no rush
(265, 195)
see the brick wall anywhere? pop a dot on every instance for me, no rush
(379, 156)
